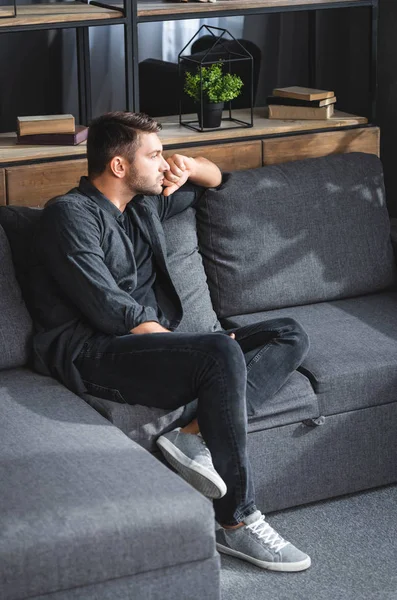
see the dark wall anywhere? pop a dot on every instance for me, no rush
(30, 76)
(343, 57)
(387, 97)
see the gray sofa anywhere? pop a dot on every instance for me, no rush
(86, 504)
(85, 512)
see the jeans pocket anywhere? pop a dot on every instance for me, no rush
(99, 391)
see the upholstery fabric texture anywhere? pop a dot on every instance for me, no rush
(297, 464)
(295, 402)
(203, 577)
(15, 322)
(288, 234)
(352, 358)
(82, 503)
(18, 223)
(143, 424)
(187, 272)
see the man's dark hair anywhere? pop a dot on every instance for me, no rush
(116, 134)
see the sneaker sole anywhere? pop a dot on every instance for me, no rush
(204, 481)
(271, 566)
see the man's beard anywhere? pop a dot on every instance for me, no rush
(138, 185)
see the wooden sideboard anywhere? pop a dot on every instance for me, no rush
(34, 184)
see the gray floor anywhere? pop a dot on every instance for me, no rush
(353, 545)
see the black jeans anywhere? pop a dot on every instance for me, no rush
(228, 377)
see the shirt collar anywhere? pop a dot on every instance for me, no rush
(86, 188)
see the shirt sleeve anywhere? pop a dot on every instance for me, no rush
(69, 245)
(188, 195)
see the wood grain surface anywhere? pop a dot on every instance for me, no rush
(173, 133)
(228, 157)
(167, 8)
(33, 185)
(2, 187)
(34, 14)
(11, 152)
(321, 144)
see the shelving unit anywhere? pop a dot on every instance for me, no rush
(149, 10)
(28, 167)
(155, 11)
(79, 16)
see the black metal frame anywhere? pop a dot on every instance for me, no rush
(218, 41)
(14, 6)
(131, 21)
(311, 9)
(83, 51)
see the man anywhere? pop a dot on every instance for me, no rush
(108, 313)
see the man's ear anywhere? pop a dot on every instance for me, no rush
(118, 166)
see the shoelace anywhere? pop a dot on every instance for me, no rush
(267, 534)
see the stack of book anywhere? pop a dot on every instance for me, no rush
(301, 103)
(55, 130)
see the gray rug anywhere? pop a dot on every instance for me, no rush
(353, 545)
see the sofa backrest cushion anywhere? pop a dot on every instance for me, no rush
(15, 322)
(296, 233)
(187, 271)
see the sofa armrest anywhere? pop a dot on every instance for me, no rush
(81, 503)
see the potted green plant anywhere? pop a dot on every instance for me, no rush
(212, 87)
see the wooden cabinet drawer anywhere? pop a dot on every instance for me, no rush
(2, 187)
(228, 157)
(313, 145)
(33, 185)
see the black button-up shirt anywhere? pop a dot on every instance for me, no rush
(85, 273)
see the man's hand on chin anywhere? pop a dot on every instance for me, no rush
(179, 173)
(149, 327)
(198, 170)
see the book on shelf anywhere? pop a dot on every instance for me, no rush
(56, 139)
(300, 112)
(40, 124)
(280, 100)
(303, 93)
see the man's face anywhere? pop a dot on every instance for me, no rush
(146, 172)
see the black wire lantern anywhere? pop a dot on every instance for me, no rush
(230, 55)
(8, 9)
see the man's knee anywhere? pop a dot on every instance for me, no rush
(221, 347)
(295, 332)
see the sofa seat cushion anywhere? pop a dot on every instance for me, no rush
(352, 361)
(143, 424)
(80, 502)
(296, 233)
(15, 322)
(295, 402)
